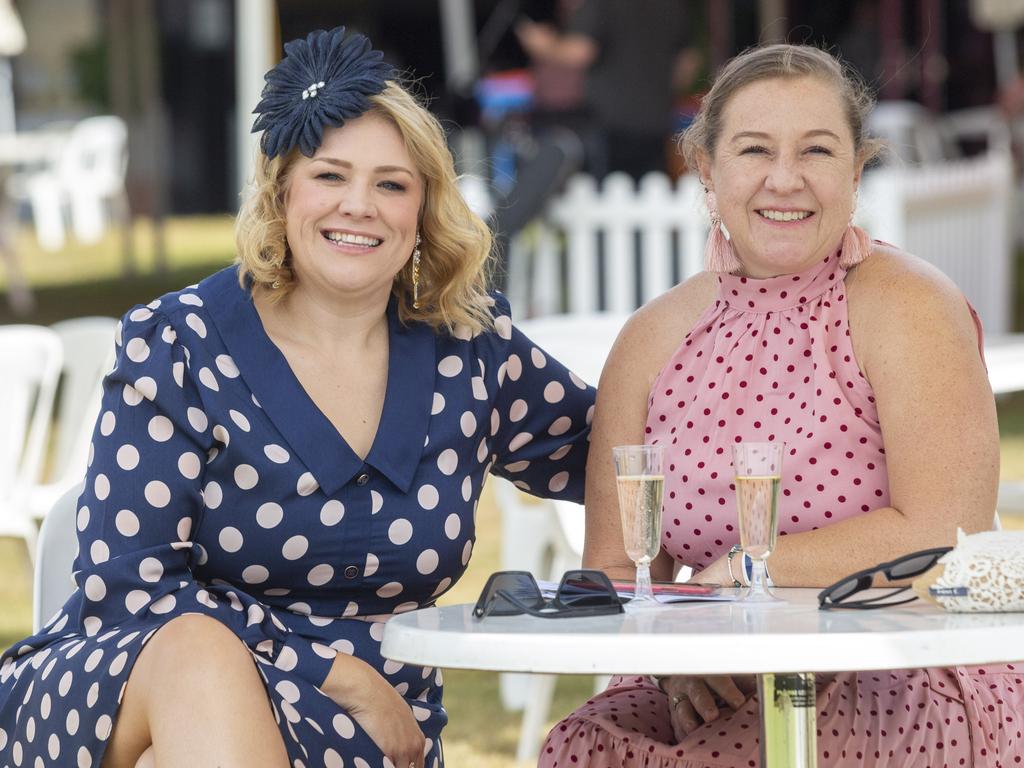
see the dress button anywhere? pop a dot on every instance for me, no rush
(351, 572)
(363, 479)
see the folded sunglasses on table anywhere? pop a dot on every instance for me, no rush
(579, 593)
(906, 567)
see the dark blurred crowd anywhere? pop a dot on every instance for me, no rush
(602, 69)
(624, 77)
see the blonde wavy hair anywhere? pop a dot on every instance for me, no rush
(455, 250)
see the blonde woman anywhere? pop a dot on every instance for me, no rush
(291, 451)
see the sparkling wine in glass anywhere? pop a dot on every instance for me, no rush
(641, 483)
(758, 474)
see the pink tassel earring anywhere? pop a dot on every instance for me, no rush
(718, 253)
(856, 245)
(855, 248)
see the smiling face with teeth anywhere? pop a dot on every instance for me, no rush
(784, 173)
(352, 211)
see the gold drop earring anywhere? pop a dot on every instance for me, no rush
(416, 273)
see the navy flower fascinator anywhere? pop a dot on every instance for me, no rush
(321, 81)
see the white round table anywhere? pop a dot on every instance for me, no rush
(782, 644)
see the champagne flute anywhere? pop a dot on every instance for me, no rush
(758, 474)
(640, 483)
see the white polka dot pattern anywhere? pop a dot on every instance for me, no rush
(213, 488)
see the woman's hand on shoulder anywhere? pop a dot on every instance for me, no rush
(378, 708)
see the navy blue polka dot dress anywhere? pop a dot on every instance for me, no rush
(216, 486)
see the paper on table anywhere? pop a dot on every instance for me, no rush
(663, 593)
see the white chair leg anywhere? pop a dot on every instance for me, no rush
(47, 211)
(88, 218)
(513, 690)
(535, 714)
(31, 537)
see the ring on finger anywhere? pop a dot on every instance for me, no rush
(676, 700)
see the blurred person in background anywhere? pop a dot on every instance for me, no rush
(637, 56)
(292, 451)
(559, 82)
(866, 362)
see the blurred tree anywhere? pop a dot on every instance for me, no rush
(136, 96)
(91, 68)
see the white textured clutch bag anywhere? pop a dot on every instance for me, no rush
(984, 573)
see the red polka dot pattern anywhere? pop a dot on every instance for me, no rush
(771, 360)
(934, 718)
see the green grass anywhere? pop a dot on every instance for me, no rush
(15, 592)
(91, 280)
(87, 280)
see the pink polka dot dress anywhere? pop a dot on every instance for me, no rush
(216, 486)
(772, 360)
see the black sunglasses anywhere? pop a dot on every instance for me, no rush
(906, 567)
(580, 593)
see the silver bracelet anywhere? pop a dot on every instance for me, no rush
(746, 570)
(736, 550)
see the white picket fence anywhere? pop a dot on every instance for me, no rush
(614, 246)
(587, 253)
(958, 215)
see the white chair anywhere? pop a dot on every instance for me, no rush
(910, 130)
(608, 246)
(546, 537)
(1010, 501)
(88, 344)
(32, 356)
(58, 546)
(87, 178)
(1004, 357)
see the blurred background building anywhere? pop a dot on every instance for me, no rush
(181, 78)
(171, 67)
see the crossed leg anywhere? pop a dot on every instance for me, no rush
(194, 698)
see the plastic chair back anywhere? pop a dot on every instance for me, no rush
(27, 387)
(91, 170)
(58, 548)
(96, 155)
(910, 130)
(546, 537)
(88, 344)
